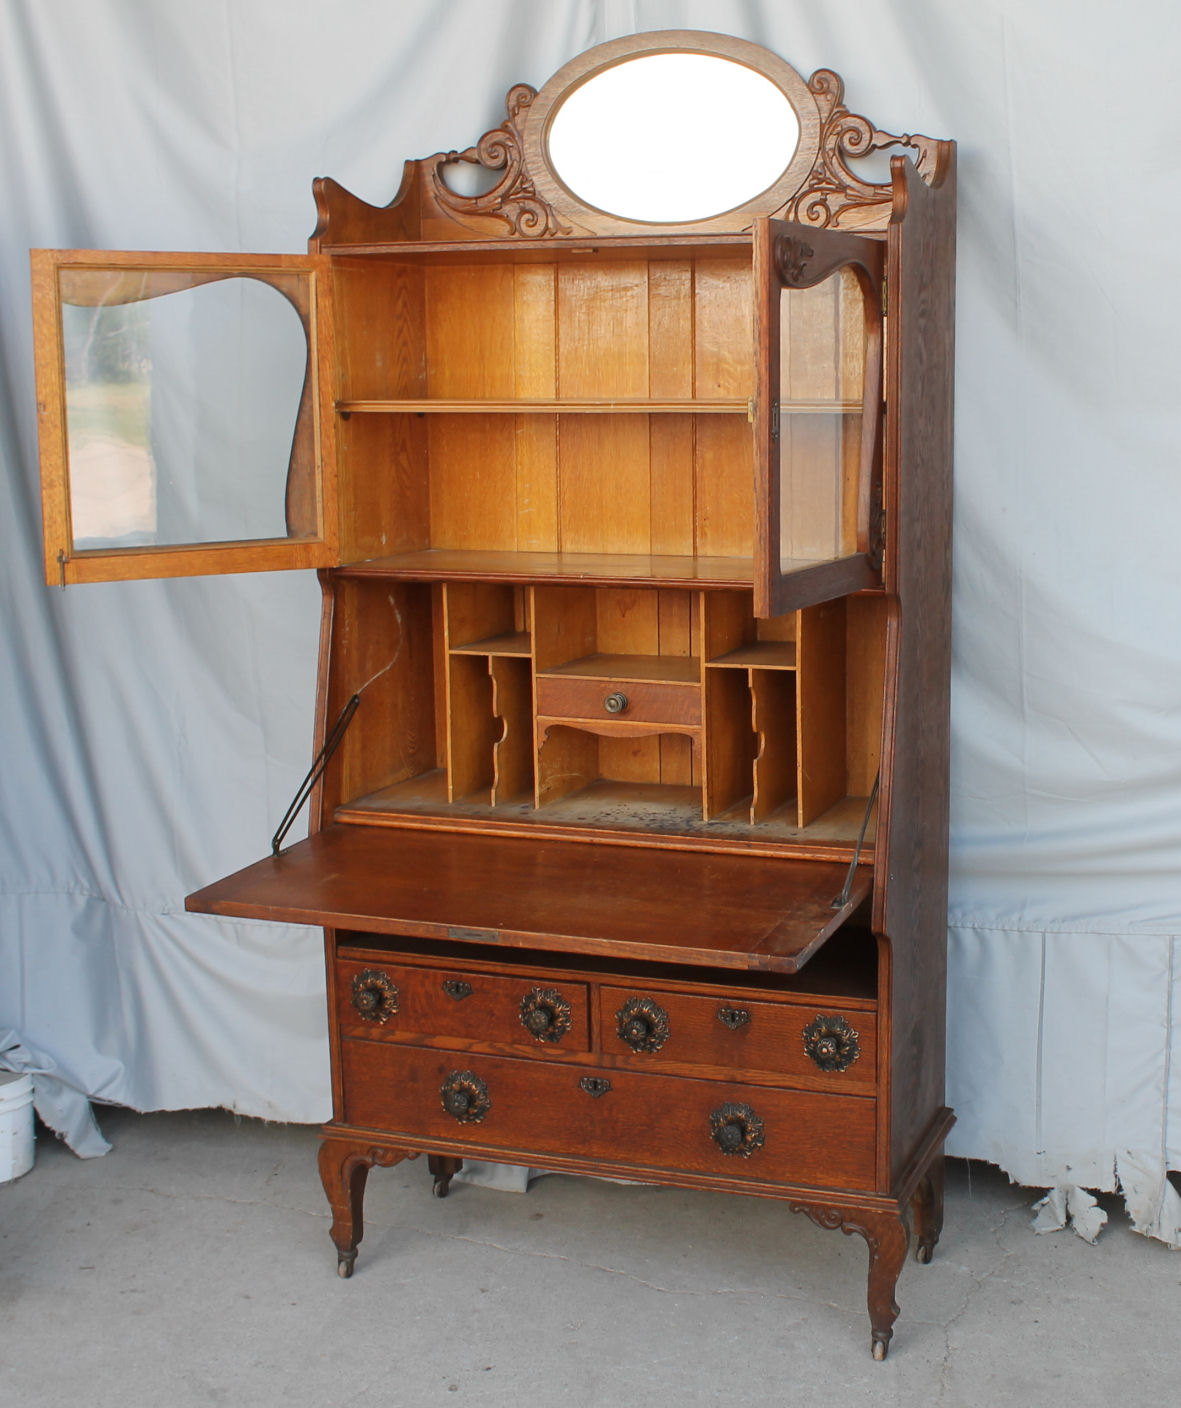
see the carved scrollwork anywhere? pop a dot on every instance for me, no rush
(545, 1014)
(833, 196)
(465, 1097)
(791, 259)
(514, 197)
(375, 995)
(736, 1129)
(642, 1024)
(832, 1043)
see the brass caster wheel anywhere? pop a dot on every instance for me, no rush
(880, 1348)
(344, 1264)
(441, 1186)
(924, 1253)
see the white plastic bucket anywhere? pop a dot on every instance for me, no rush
(16, 1124)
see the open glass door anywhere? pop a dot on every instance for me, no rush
(818, 414)
(185, 423)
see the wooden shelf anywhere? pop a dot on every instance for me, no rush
(593, 569)
(762, 655)
(680, 669)
(597, 406)
(601, 406)
(513, 643)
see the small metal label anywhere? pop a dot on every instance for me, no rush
(475, 936)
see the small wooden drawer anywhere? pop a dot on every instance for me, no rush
(667, 703)
(398, 1002)
(814, 1044)
(620, 1121)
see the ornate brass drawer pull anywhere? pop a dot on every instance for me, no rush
(615, 703)
(736, 1129)
(546, 1014)
(375, 995)
(457, 988)
(594, 1086)
(643, 1024)
(832, 1043)
(465, 1097)
(733, 1017)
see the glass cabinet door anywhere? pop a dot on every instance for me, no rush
(184, 428)
(818, 414)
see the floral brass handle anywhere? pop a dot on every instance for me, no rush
(642, 1024)
(465, 1097)
(545, 1013)
(375, 995)
(736, 1129)
(832, 1043)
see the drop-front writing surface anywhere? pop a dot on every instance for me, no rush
(633, 522)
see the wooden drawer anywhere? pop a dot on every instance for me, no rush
(524, 1109)
(386, 1001)
(732, 1033)
(646, 702)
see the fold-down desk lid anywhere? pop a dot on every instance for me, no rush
(727, 911)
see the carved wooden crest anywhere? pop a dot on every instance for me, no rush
(530, 200)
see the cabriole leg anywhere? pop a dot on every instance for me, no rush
(927, 1205)
(344, 1168)
(444, 1168)
(887, 1236)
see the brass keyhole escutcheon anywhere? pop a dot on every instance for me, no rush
(615, 703)
(375, 995)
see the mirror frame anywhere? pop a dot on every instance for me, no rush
(566, 203)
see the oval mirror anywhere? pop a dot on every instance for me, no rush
(670, 138)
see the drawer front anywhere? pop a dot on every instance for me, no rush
(618, 1119)
(621, 701)
(811, 1045)
(396, 1002)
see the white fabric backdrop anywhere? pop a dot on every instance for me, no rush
(153, 732)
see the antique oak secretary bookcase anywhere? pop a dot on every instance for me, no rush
(631, 504)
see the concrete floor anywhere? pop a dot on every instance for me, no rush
(192, 1266)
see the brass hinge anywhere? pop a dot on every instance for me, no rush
(61, 567)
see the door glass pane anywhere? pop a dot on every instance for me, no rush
(822, 370)
(183, 391)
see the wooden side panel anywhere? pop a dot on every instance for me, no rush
(865, 653)
(820, 703)
(773, 715)
(911, 897)
(472, 730)
(381, 645)
(512, 708)
(729, 741)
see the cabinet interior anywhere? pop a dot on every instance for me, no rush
(592, 404)
(495, 703)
